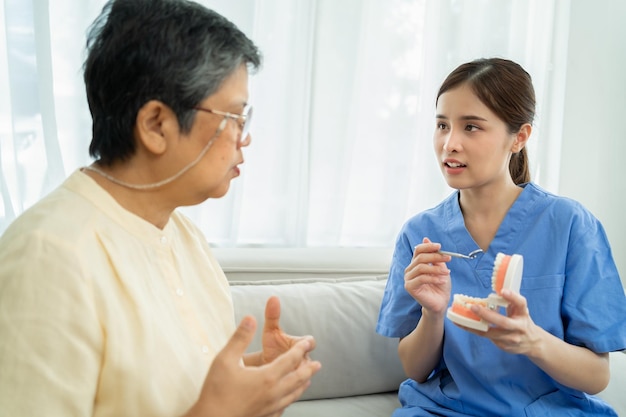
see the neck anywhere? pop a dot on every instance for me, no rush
(488, 200)
(484, 209)
(147, 204)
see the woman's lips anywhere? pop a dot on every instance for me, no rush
(453, 167)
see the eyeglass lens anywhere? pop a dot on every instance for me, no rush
(245, 130)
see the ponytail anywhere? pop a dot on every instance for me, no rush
(518, 167)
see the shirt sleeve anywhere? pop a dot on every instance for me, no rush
(49, 332)
(594, 304)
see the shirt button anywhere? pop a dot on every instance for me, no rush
(180, 292)
(205, 349)
(163, 240)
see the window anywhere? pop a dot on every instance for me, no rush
(357, 79)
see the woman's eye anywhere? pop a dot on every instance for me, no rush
(441, 126)
(471, 128)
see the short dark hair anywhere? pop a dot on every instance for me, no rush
(174, 51)
(507, 89)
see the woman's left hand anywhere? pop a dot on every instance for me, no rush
(274, 340)
(514, 333)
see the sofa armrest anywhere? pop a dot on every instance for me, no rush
(341, 314)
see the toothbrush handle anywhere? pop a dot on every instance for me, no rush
(454, 254)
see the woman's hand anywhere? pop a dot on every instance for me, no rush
(427, 278)
(514, 333)
(233, 389)
(574, 366)
(275, 342)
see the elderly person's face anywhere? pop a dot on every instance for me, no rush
(211, 177)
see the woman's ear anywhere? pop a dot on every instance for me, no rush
(521, 138)
(154, 125)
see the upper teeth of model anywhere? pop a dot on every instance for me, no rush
(454, 164)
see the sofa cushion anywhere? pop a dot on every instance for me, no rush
(374, 405)
(341, 314)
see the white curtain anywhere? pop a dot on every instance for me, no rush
(344, 108)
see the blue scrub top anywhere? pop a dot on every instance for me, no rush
(573, 291)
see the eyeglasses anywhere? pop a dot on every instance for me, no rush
(243, 120)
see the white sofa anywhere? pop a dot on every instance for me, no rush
(335, 296)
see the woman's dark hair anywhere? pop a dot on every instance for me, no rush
(175, 51)
(507, 89)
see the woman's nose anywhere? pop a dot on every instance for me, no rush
(452, 142)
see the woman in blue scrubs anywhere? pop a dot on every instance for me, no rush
(548, 354)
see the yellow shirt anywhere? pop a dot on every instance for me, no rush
(103, 314)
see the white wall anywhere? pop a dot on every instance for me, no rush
(594, 141)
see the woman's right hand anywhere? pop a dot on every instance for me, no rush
(427, 278)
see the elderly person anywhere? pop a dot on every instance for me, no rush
(111, 303)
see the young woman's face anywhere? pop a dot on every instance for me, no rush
(472, 144)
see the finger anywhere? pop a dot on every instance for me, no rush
(486, 314)
(426, 247)
(428, 253)
(291, 359)
(417, 249)
(296, 382)
(295, 339)
(294, 395)
(291, 396)
(432, 263)
(272, 314)
(494, 318)
(517, 302)
(292, 384)
(240, 340)
(419, 267)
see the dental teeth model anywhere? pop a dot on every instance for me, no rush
(507, 274)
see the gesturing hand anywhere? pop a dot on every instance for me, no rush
(235, 390)
(275, 342)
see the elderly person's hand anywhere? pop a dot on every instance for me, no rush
(275, 341)
(236, 390)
